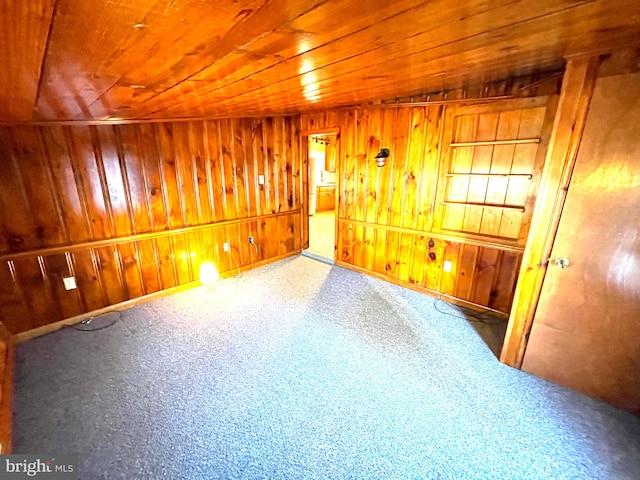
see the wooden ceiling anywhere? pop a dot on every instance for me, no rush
(148, 59)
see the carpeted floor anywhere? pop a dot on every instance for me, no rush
(302, 370)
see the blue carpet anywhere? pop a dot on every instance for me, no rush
(301, 370)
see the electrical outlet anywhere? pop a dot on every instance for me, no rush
(260, 179)
(226, 247)
(250, 238)
(447, 266)
(69, 283)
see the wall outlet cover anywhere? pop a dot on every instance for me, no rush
(226, 247)
(69, 283)
(447, 266)
(260, 179)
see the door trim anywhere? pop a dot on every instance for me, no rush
(577, 88)
(304, 140)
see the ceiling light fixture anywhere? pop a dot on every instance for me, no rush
(139, 25)
(136, 87)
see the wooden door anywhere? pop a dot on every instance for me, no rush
(586, 330)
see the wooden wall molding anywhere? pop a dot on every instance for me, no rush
(43, 252)
(575, 96)
(438, 235)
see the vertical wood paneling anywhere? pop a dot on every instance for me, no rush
(16, 218)
(166, 264)
(262, 197)
(405, 254)
(155, 187)
(216, 187)
(467, 271)
(448, 279)
(348, 185)
(271, 174)
(370, 126)
(399, 166)
(56, 268)
(32, 168)
(109, 167)
(171, 192)
(418, 260)
(429, 173)
(413, 166)
(200, 172)
(89, 280)
(389, 126)
(14, 311)
(402, 194)
(359, 164)
(185, 174)
(434, 263)
(89, 181)
(62, 186)
(181, 257)
(131, 270)
(149, 268)
(238, 170)
(37, 296)
(110, 270)
(295, 159)
(134, 168)
(250, 163)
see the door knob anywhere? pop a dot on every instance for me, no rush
(562, 262)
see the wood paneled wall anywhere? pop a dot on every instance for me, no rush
(130, 210)
(397, 221)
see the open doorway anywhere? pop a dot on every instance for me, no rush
(323, 162)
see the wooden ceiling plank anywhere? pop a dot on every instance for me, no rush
(24, 30)
(457, 79)
(483, 28)
(253, 25)
(465, 53)
(147, 37)
(73, 78)
(317, 27)
(401, 27)
(198, 58)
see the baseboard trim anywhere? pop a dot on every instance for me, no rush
(52, 327)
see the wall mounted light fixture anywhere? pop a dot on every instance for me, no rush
(381, 157)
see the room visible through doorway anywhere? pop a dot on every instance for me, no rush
(323, 153)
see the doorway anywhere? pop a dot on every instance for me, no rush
(323, 160)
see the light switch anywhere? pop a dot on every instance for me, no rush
(69, 283)
(447, 266)
(260, 179)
